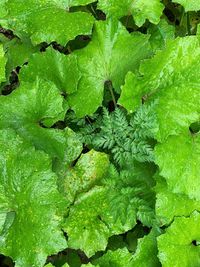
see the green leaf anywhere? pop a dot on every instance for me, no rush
(128, 139)
(131, 96)
(18, 53)
(108, 57)
(72, 3)
(192, 5)
(31, 202)
(141, 9)
(31, 105)
(115, 242)
(160, 34)
(45, 20)
(172, 78)
(72, 149)
(146, 252)
(50, 265)
(2, 64)
(145, 255)
(3, 10)
(117, 258)
(89, 170)
(94, 218)
(53, 66)
(178, 159)
(169, 204)
(85, 229)
(89, 265)
(176, 246)
(132, 237)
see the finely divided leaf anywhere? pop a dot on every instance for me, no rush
(30, 201)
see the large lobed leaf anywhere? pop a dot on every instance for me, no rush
(177, 246)
(170, 204)
(192, 5)
(53, 66)
(178, 159)
(172, 78)
(111, 53)
(45, 20)
(122, 257)
(33, 109)
(117, 258)
(140, 9)
(88, 171)
(29, 203)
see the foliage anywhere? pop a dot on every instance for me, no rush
(127, 140)
(99, 133)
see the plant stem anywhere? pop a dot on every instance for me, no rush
(127, 21)
(112, 93)
(94, 12)
(188, 24)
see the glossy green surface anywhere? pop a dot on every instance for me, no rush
(30, 200)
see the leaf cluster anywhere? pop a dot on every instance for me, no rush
(126, 138)
(99, 133)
